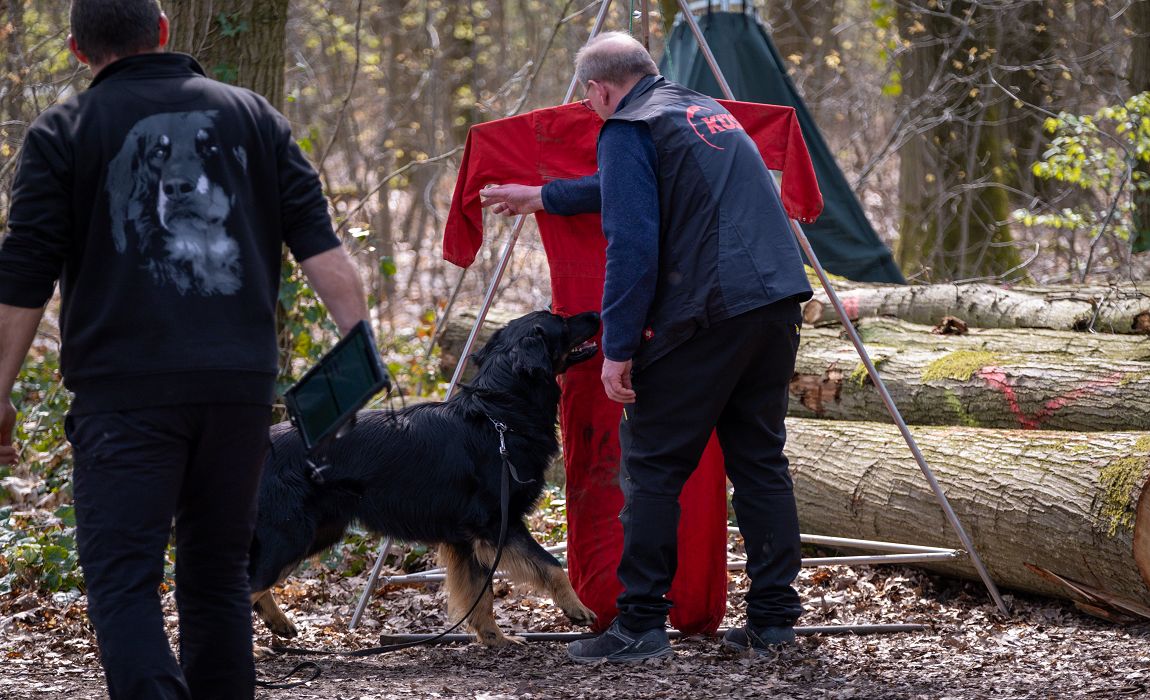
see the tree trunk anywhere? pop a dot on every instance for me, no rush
(1028, 50)
(1051, 384)
(804, 33)
(1067, 502)
(11, 85)
(988, 377)
(14, 67)
(237, 41)
(896, 332)
(1138, 76)
(1115, 310)
(1051, 380)
(954, 207)
(918, 182)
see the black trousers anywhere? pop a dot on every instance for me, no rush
(135, 473)
(732, 377)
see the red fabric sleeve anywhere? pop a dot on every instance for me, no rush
(775, 130)
(529, 149)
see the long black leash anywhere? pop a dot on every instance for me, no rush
(506, 474)
(283, 683)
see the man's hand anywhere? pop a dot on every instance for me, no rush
(512, 200)
(7, 425)
(617, 381)
(17, 329)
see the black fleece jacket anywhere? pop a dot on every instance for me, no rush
(161, 200)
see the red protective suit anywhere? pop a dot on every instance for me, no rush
(558, 143)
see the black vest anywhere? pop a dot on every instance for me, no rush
(725, 244)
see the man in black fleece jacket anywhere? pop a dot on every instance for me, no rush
(161, 201)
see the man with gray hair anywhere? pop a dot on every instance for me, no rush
(161, 201)
(701, 317)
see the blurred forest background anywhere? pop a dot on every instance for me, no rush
(994, 140)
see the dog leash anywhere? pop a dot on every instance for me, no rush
(280, 684)
(506, 474)
(502, 429)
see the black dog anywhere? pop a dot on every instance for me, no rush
(168, 194)
(431, 473)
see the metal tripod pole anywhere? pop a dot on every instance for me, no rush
(854, 336)
(488, 299)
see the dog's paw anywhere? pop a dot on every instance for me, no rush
(494, 638)
(281, 626)
(580, 615)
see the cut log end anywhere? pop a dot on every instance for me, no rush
(1141, 323)
(1142, 534)
(812, 312)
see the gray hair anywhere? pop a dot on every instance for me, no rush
(613, 57)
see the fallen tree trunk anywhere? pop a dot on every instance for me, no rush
(454, 335)
(877, 331)
(1114, 310)
(1034, 341)
(989, 378)
(1070, 503)
(1038, 379)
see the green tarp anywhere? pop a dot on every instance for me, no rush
(842, 238)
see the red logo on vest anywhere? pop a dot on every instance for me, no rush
(708, 124)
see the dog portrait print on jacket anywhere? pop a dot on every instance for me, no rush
(168, 200)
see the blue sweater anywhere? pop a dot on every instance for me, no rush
(627, 192)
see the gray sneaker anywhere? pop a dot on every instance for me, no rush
(760, 640)
(620, 645)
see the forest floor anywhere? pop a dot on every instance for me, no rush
(1045, 649)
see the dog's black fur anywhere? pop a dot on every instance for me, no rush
(431, 473)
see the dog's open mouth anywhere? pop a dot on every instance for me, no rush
(580, 331)
(583, 351)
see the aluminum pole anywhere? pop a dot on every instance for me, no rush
(857, 341)
(671, 634)
(363, 598)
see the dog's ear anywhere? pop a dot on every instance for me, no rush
(530, 355)
(122, 186)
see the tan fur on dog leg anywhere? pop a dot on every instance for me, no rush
(564, 596)
(465, 581)
(275, 619)
(526, 562)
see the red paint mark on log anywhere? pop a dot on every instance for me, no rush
(995, 378)
(851, 306)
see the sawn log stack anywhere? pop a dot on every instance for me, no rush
(1035, 419)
